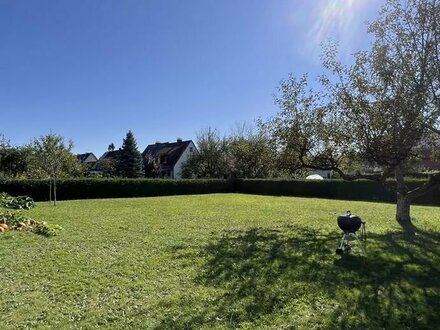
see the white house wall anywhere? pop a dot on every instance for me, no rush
(183, 158)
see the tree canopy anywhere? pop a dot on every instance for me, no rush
(368, 119)
(52, 158)
(210, 160)
(129, 162)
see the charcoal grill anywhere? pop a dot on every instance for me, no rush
(350, 224)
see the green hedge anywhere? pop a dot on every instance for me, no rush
(334, 189)
(113, 188)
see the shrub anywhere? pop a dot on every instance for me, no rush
(18, 222)
(333, 189)
(114, 188)
(19, 202)
(11, 219)
(46, 229)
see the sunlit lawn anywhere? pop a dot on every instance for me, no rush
(219, 261)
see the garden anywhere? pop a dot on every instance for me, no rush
(218, 261)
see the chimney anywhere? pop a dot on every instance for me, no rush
(179, 139)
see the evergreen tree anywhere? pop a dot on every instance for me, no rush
(129, 160)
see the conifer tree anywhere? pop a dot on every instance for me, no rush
(129, 160)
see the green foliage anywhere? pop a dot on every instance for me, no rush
(19, 202)
(46, 229)
(219, 262)
(14, 161)
(111, 147)
(250, 154)
(53, 158)
(115, 187)
(373, 113)
(107, 167)
(211, 159)
(335, 189)
(150, 170)
(12, 219)
(16, 221)
(130, 161)
(246, 153)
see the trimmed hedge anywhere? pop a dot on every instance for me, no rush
(116, 188)
(363, 190)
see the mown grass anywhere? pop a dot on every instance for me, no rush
(219, 262)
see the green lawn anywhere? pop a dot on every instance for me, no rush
(219, 261)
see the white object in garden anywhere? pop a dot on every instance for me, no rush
(314, 177)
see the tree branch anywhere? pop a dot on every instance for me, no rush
(433, 182)
(432, 129)
(380, 178)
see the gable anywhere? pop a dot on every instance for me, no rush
(88, 157)
(170, 152)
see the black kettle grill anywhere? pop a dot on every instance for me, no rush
(350, 224)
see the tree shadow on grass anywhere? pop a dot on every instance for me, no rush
(290, 276)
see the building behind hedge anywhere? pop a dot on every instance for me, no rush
(166, 159)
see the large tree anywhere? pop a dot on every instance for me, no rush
(375, 113)
(129, 160)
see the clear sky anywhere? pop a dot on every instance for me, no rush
(90, 70)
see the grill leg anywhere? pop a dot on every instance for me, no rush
(340, 250)
(344, 245)
(360, 244)
(342, 242)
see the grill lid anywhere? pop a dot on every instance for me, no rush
(349, 223)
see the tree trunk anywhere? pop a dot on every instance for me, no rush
(50, 191)
(54, 192)
(403, 215)
(403, 206)
(403, 209)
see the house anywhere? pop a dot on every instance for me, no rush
(106, 164)
(88, 158)
(428, 155)
(167, 158)
(429, 163)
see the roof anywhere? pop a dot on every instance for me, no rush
(83, 157)
(110, 155)
(172, 150)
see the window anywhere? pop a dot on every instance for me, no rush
(191, 149)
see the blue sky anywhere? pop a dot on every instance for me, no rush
(91, 70)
